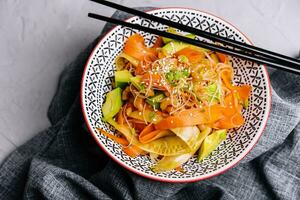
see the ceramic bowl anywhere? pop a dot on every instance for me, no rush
(97, 81)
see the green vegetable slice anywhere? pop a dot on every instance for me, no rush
(155, 101)
(123, 59)
(173, 47)
(188, 134)
(168, 163)
(122, 78)
(213, 93)
(112, 104)
(166, 146)
(170, 145)
(211, 142)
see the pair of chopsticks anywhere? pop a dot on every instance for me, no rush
(231, 47)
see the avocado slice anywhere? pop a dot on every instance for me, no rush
(112, 104)
(122, 78)
(211, 142)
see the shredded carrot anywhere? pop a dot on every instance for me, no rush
(133, 151)
(179, 169)
(149, 128)
(119, 140)
(130, 151)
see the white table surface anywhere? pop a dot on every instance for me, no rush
(39, 37)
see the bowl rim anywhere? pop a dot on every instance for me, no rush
(175, 180)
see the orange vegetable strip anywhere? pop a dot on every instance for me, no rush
(193, 55)
(120, 117)
(222, 57)
(121, 141)
(188, 117)
(139, 150)
(135, 47)
(130, 151)
(179, 169)
(226, 76)
(158, 43)
(149, 128)
(244, 91)
(233, 121)
(148, 137)
(133, 151)
(231, 114)
(228, 116)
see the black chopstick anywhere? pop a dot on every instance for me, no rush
(210, 46)
(278, 58)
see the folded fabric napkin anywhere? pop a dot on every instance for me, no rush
(63, 162)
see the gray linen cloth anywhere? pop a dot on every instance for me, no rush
(63, 162)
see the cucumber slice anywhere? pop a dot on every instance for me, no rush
(188, 134)
(168, 163)
(112, 104)
(211, 142)
(167, 146)
(122, 78)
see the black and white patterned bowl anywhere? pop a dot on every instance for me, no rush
(98, 76)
